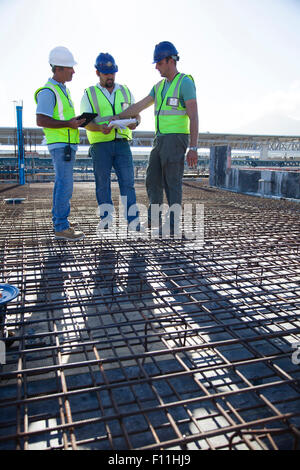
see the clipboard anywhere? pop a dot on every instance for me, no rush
(88, 118)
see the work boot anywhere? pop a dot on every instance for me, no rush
(69, 234)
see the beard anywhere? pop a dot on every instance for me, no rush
(109, 83)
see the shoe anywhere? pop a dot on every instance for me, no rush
(69, 234)
(73, 224)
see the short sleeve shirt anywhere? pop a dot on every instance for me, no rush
(45, 105)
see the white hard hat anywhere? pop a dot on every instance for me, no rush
(61, 56)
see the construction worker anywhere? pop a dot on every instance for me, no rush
(109, 146)
(176, 125)
(55, 113)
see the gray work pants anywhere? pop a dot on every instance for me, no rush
(165, 170)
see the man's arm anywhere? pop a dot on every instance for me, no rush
(94, 127)
(134, 126)
(192, 112)
(46, 121)
(86, 107)
(134, 110)
(44, 112)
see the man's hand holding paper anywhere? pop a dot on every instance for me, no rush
(122, 123)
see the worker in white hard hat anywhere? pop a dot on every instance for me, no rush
(55, 113)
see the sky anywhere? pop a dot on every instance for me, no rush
(243, 55)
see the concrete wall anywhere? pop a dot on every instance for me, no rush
(268, 183)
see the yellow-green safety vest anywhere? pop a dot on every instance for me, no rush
(63, 111)
(102, 106)
(170, 115)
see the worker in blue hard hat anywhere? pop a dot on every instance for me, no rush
(164, 50)
(176, 126)
(109, 146)
(105, 63)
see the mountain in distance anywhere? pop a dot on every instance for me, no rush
(271, 124)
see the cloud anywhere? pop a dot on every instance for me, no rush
(277, 112)
(286, 102)
(271, 124)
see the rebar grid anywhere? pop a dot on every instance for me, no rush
(152, 344)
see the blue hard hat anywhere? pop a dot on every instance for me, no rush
(164, 49)
(105, 63)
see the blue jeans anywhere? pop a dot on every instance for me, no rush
(63, 188)
(115, 154)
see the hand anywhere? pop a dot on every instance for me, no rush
(113, 118)
(192, 158)
(132, 127)
(74, 123)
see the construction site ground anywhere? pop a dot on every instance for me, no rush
(128, 343)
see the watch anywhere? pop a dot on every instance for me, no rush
(193, 148)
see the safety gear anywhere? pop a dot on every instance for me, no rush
(170, 114)
(105, 63)
(103, 107)
(63, 111)
(165, 49)
(61, 56)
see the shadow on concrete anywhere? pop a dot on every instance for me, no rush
(9, 188)
(100, 314)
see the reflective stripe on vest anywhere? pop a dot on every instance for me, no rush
(60, 106)
(102, 106)
(170, 118)
(63, 111)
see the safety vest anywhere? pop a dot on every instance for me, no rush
(63, 111)
(102, 106)
(170, 115)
